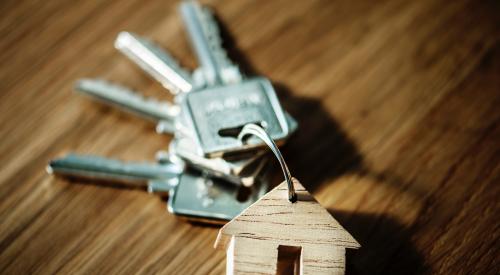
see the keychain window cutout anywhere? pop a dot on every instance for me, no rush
(236, 130)
(256, 240)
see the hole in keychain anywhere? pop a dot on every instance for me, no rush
(243, 193)
(235, 131)
(258, 131)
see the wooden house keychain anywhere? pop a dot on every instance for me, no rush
(285, 232)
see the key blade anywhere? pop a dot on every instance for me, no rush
(165, 127)
(204, 35)
(154, 61)
(127, 100)
(111, 170)
(241, 170)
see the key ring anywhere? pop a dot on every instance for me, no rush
(256, 130)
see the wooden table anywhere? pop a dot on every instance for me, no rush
(398, 104)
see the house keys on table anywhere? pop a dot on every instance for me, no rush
(208, 173)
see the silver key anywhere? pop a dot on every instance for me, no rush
(240, 171)
(191, 195)
(156, 177)
(204, 34)
(227, 168)
(162, 112)
(167, 126)
(155, 61)
(216, 115)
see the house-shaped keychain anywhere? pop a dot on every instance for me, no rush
(285, 232)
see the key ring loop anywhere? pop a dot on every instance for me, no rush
(256, 130)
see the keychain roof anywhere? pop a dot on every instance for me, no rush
(285, 232)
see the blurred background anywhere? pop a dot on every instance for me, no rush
(398, 104)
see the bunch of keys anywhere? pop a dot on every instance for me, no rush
(208, 173)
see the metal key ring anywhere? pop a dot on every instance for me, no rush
(256, 130)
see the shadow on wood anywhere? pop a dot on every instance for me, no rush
(321, 150)
(386, 245)
(325, 145)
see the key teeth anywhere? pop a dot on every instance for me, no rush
(85, 84)
(127, 99)
(230, 71)
(165, 127)
(80, 85)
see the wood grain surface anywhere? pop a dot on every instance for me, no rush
(398, 104)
